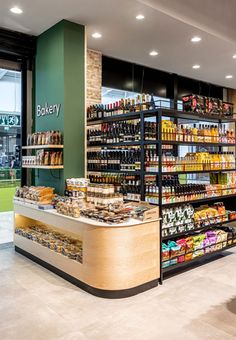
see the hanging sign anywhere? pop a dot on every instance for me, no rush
(10, 120)
(47, 110)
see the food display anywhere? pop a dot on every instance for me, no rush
(115, 132)
(207, 105)
(114, 214)
(68, 208)
(220, 184)
(192, 161)
(186, 249)
(45, 138)
(56, 241)
(103, 195)
(177, 220)
(39, 195)
(129, 131)
(76, 187)
(118, 159)
(43, 157)
(185, 218)
(128, 185)
(140, 103)
(197, 133)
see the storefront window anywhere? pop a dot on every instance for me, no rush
(10, 136)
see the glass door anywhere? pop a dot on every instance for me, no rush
(10, 147)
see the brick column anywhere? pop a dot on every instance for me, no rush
(94, 77)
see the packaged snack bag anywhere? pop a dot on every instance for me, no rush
(198, 253)
(165, 252)
(189, 248)
(198, 241)
(221, 240)
(206, 245)
(181, 228)
(211, 235)
(174, 249)
(182, 244)
(165, 255)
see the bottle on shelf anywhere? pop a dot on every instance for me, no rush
(121, 159)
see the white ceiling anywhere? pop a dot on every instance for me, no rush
(167, 28)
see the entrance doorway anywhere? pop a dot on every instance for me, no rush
(10, 147)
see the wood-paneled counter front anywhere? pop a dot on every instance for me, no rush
(118, 260)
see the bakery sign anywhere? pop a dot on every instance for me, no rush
(47, 110)
(10, 120)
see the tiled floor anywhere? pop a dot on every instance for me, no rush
(6, 227)
(38, 305)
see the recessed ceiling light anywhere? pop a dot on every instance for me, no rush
(16, 10)
(196, 39)
(96, 35)
(234, 56)
(140, 17)
(196, 66)
(229, 76)
(153, 53)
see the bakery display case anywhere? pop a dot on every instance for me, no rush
(107, 260)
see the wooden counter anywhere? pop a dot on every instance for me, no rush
(118, 261)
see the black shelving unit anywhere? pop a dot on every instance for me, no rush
(196, 230)
(158, 113)
(181, 265)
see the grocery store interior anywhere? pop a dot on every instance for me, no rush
(118, 170)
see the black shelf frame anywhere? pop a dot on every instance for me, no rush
(169, 142)
(199, 259)
(135, 172)
(158, 113)
(196, 230)
(188, 172)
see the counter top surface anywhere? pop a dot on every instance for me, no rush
(131, 222)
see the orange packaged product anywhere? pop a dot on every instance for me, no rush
(182, 244)
(189, 248)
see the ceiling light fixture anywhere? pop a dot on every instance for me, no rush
(153, 53)
(234, 56)
(196, 66)
(16, 10)
(96, 35)
(229, 76)
(140, 17)
(196, 39)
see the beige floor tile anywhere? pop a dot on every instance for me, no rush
(36, 304)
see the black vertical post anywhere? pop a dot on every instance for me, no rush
(23, 114)
(172, 91)
(159, 148)
(142, 155)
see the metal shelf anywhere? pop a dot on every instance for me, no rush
(195, 116)
(208, 199)
(170, 142)
(188, 172)
(159, 113)
(115, 144)
(51, 146)
(187, 232)
(197, 259)
(43, 166)
(135, 172)
(124, 116)
(166, 113)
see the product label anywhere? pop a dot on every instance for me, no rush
(48, 110)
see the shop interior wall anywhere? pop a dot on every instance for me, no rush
(60, 79)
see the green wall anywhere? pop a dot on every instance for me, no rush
(60, 79)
